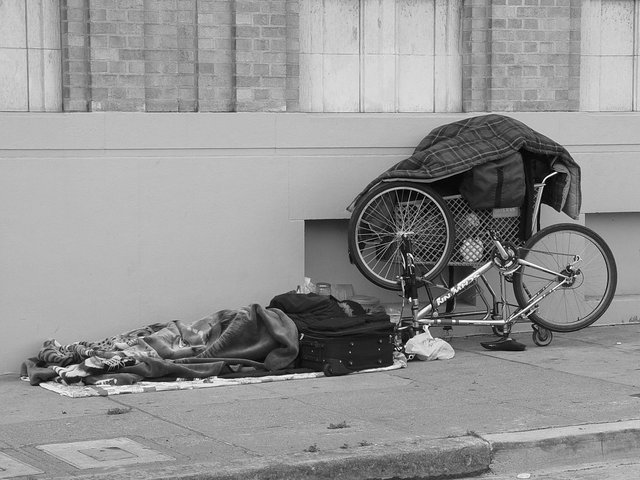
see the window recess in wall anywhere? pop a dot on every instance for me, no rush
(609, 66)
(380, 56)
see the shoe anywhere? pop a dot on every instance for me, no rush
(505, 344)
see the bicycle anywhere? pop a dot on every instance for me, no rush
(402, 235)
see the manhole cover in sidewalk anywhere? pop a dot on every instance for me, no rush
(10, 467)
(106, 453)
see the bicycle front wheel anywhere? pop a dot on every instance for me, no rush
(581, 258)
(387, 212)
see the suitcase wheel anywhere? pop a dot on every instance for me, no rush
(334, 367)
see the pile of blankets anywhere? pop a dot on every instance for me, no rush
(250, 341)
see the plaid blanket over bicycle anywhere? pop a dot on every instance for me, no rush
(459, 146)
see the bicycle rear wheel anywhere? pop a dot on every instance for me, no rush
(383, 215)
(582, 255)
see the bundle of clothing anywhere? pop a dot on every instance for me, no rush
(250, 341)
(313, 313)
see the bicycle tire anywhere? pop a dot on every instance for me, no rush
(583, 301)
(387, 211)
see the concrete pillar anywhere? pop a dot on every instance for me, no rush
(30, 78)
(608, 55)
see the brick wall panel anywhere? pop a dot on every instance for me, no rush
(164, 55)
(216, 58)
(523, 36)
(74, 17)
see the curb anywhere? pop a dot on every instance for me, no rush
(455, 457)
(448, 458)
(563, 446)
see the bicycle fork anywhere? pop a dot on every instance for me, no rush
(409, 280)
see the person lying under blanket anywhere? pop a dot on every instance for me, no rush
(248, 341)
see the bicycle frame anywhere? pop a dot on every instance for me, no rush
(495, 315)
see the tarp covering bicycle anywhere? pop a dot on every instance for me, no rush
(458, 147)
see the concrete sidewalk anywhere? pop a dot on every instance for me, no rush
(575, 400)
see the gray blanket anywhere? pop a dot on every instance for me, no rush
(253, 337)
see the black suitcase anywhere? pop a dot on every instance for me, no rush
(339, 353)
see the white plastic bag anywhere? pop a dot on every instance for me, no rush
(307, 286)
(425, 347)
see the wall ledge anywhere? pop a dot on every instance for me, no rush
(133, 130)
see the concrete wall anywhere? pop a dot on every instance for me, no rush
(111, 221)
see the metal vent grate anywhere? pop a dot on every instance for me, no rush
(472, 245)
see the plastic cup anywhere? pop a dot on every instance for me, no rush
(394, 313)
